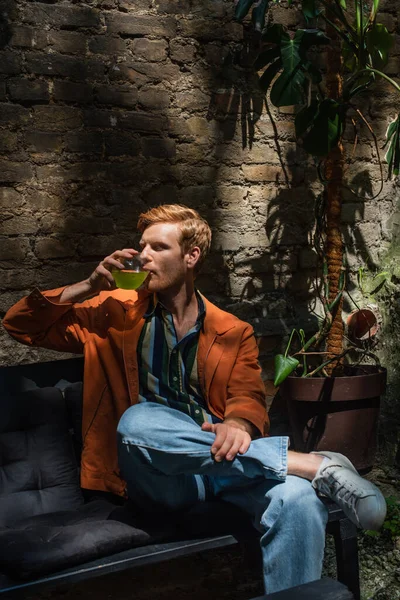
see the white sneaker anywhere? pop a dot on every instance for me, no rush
(361, 501)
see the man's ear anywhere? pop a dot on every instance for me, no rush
(193, 256)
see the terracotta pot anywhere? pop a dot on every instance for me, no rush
(337, 413)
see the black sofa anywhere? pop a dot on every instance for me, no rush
(52, 532)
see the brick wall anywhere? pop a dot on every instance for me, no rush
(110, 107)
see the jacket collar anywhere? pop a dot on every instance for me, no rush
(217, 322)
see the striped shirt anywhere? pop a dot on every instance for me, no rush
(168, 367)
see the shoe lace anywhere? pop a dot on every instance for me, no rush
(348, 495)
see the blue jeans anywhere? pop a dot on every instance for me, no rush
(165, 459)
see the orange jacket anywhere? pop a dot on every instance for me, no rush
(106, 330)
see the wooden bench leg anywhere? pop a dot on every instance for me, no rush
(345, 536)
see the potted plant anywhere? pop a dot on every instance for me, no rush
(331, 404)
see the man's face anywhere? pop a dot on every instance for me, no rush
(163, 257)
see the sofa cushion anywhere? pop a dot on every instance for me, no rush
(38, 470)
(48, 543)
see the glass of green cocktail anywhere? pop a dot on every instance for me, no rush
(131, 276)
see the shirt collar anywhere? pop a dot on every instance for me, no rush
(156, 304)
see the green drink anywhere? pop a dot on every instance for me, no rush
(129, 280)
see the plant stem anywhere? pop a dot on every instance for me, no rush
(389, 79)
(334, 174)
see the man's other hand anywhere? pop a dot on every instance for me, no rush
(232, 437)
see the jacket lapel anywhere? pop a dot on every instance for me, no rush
(211, 343)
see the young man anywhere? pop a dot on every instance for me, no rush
(174, 384)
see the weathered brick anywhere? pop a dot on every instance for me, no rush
(128, 5)
(15, 172)
(193, 100)
(53, 248)
(28, 91)
(18, 279)
(163, 194)
(158, 148)
(17, 224)
(208, 30)
(78, 69)
(84, 142)
(56, 118)
(102, 119)
(87, 171)
(154, 99)
(14, 116)
(89, 224)
(10, 197)
(198, 195)
(14, 248)
(68, 91)
(39, 141)
(142, 72)
(99, 245)
(141, 122)
(10, 62)
(177, 126)
(263, 173)
(150, 50)
(27, 37)
(8, 142)
(114, 96)
(183, 52)
(102, 44)
(122, 72)
(128, 172)
(60, 16)
(119, 144)
(214, 8)
(68, 42)
(200, 127)
(40, 200)
(139, 25)
(192, 153)
(215, 53)
(194, 174)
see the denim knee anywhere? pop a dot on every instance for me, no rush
(296, 500)
(134, 420)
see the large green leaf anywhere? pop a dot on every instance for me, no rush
(309, 9)
(392, 156)
(307, 38)
(319, 126)
(284, 366)
(242, 8)
(288, 89)
(378, 42)
(258, 14)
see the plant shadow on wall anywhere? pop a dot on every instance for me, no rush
(323, 69)
(101, 138)
(237, 96)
